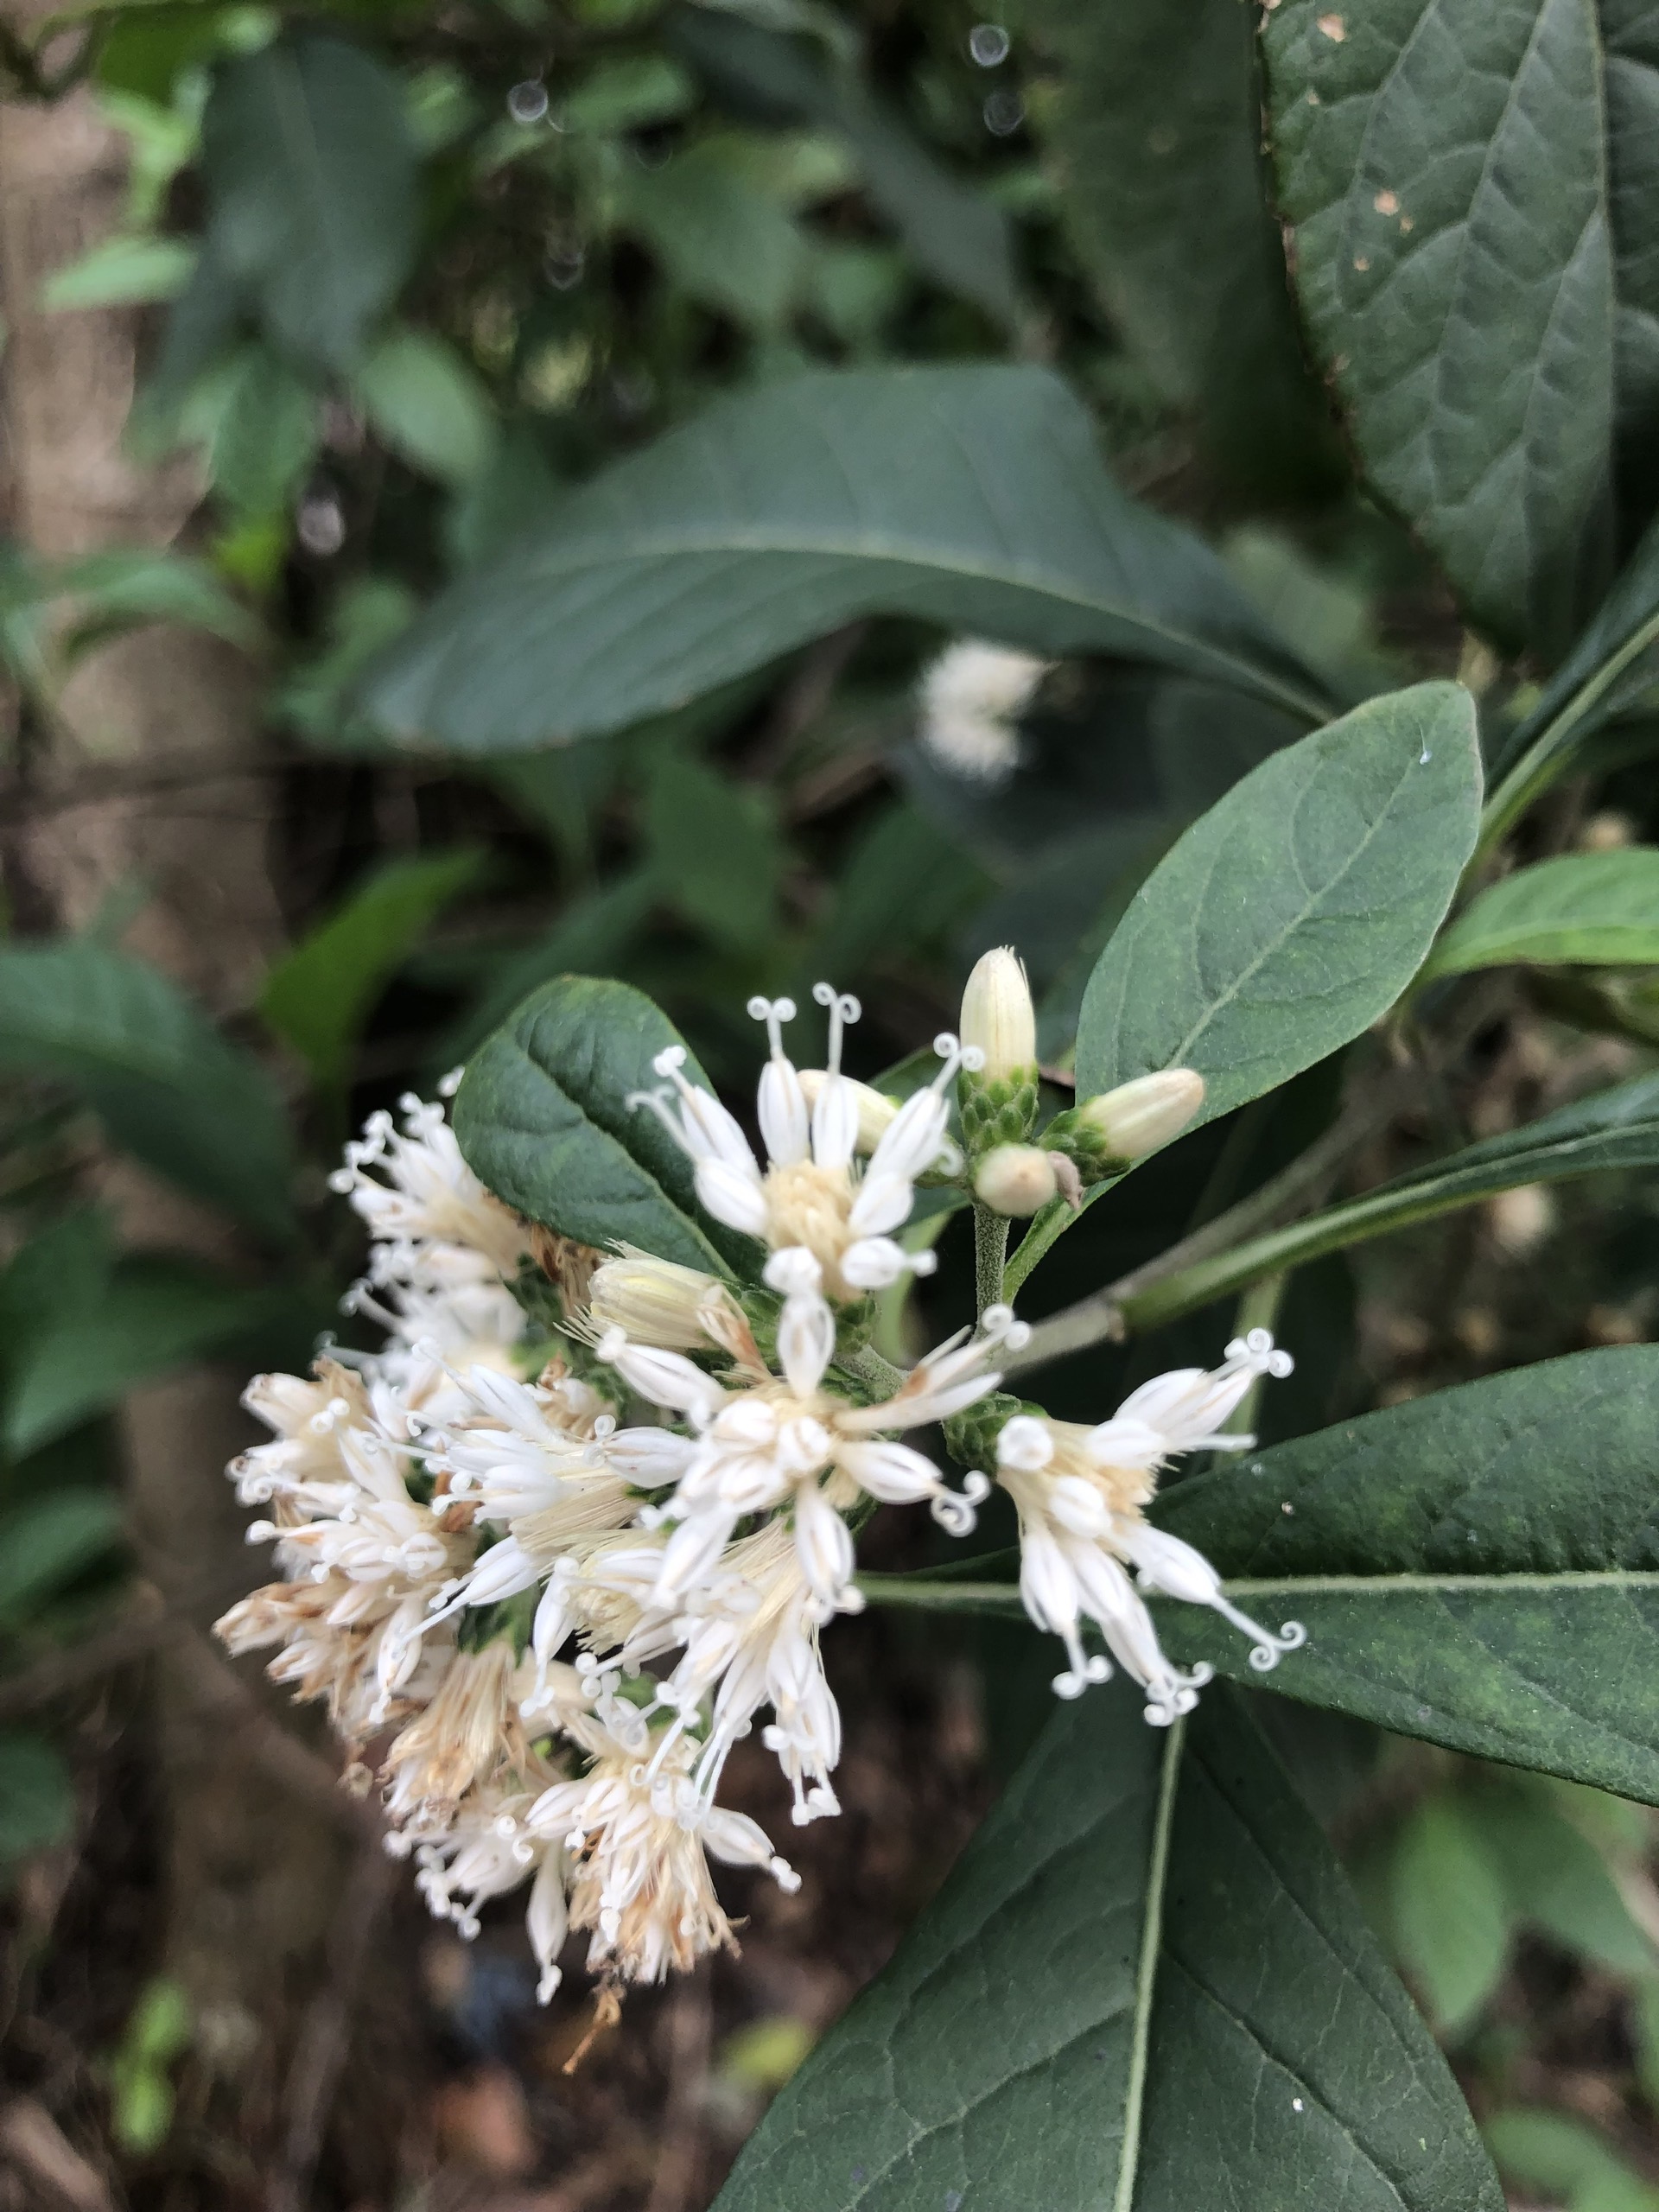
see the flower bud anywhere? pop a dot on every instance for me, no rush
(654, 1301)
(1105, 1134)
(1016, 1179)
(876, 1113)
(998, 1017)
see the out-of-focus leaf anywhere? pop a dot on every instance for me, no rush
(1609, 1130)
(123, 589)
(259, 424)
(626, 92)
(309, 169)
(1452, 1914)
(1082, 2013)
(1566, 2158)
(167, 1086)
(1598, 910)
(37, 1800)
(48, 1542)
(1153, 125)
(543, 1118)
(428, 405)
(317, 997)
(155, 1314)
(714, 849)
(1445, 177)
(719, 233)
(903, 883)
(1557, 1880)
(1297, 909)
(121, 271)
(972, 496)
(316, 700)
(590, 937)
(953, 233)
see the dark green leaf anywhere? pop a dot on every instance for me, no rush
(310, 170)
(1154, 123)
(123, 589)
(48, 1542)
(155, 1314)
(1080, 2022)
(543, 1119)
(971, 496)
(319, 996)
(1598, 910)
(715, 850)
(37, 1800)
(1443, 173)
(1480, 1567)
(316, 700)
(168, 1088)
(1297, 909)
(953, 233)
(718, 233)
(1556, 1878)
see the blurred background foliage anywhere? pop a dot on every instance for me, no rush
(396, 279)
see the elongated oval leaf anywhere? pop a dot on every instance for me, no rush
(543, 1118)
(1596, 909)
(167, 1087)
(1297, 909)
(45, 1542)
(1445, 173)
(1080, 2022)
(318, 995)
(309, 168)
(972, 497)
(1480, 1567)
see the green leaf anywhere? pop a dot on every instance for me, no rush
(1080, 2021)
(721, 236)
(316, 700)
(1154, 126)
(155, 1314)
(309, 171)
(1480, 1567)
(1444, 176)
(715, 850)
(168, 1088)
(1610, 1129)
(428, 405)
(48, 1542)
(1610, 665)
(542, 1117)
(260, 423)
(1297, 909)
(953, 233)
(1597, 910)
(1450, 1914)
(37, 1799)
(1563, 2157)
(319, 996)
(123, 589)
(121, 272)
(1557, 1880)
(969, 496)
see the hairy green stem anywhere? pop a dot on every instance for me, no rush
(990, 1253)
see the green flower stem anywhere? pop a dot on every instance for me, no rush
(990, 1252)
(1045, 1230)
(1551, 753)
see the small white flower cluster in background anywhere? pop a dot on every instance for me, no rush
(547, 1621)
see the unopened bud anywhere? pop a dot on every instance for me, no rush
(876, 1111)
(1107, 1133)
(654, 1302)
(998, 1098)
(1016, 1179)
(998, 1017)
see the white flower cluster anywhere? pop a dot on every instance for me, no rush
(548, 1624)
